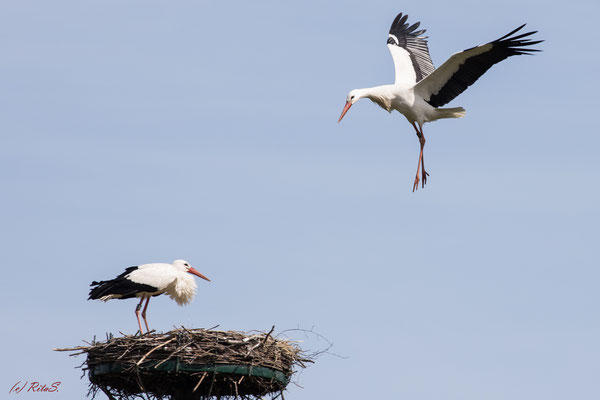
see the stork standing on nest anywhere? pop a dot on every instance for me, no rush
(149, 280)
(420, 89)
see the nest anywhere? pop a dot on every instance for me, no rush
(191, 364)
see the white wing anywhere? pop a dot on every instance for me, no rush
(157, 275)
(409, 51)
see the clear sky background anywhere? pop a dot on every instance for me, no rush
(145, 131)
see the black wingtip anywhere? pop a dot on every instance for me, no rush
(511, 33)
(403, 19)
(401, 26)
(521, 36)
(535, 42)
(413, 27)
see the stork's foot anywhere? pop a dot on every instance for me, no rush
(422, 180)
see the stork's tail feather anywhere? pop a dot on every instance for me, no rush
(454, 112)
(96, 291)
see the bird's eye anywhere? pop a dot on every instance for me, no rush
(351, 97)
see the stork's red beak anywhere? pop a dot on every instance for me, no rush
(193, 271)
(345, 110)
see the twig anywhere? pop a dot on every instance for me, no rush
(72, 348)
(212, 383)
(204, 375)
(268, 334)
(107, 392)
(172, 354)
(156, 348)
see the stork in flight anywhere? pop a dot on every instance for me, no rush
(420, 89)
(149, 280)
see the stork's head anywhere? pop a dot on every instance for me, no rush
(352, 98)
(183, 265)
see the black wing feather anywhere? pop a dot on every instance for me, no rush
(414, 43)
(119, 286)
(475, 66)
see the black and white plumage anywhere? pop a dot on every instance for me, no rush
(409, 50)
(149, 280)
(420, 89)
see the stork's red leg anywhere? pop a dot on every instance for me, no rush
(137, 314)
(144, 313)
(421, 163)
(424, 174)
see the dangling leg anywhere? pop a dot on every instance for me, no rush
(421, 163)
(137, 314)
(144, 313)
(424, 174)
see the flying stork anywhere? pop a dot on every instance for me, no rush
(149, 280)
(420, 89)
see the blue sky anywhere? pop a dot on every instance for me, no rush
(145, 131)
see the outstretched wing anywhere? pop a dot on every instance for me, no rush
(409, 51)
(462, 69)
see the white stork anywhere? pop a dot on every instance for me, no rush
(149, 280)
(420, 89)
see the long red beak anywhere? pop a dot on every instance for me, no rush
(345, 110)
(193, 271)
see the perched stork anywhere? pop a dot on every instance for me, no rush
(420, 89)
(149, 280)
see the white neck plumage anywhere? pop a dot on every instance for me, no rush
(379, 95)
(183, 289)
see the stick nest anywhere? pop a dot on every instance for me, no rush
(191, 364)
